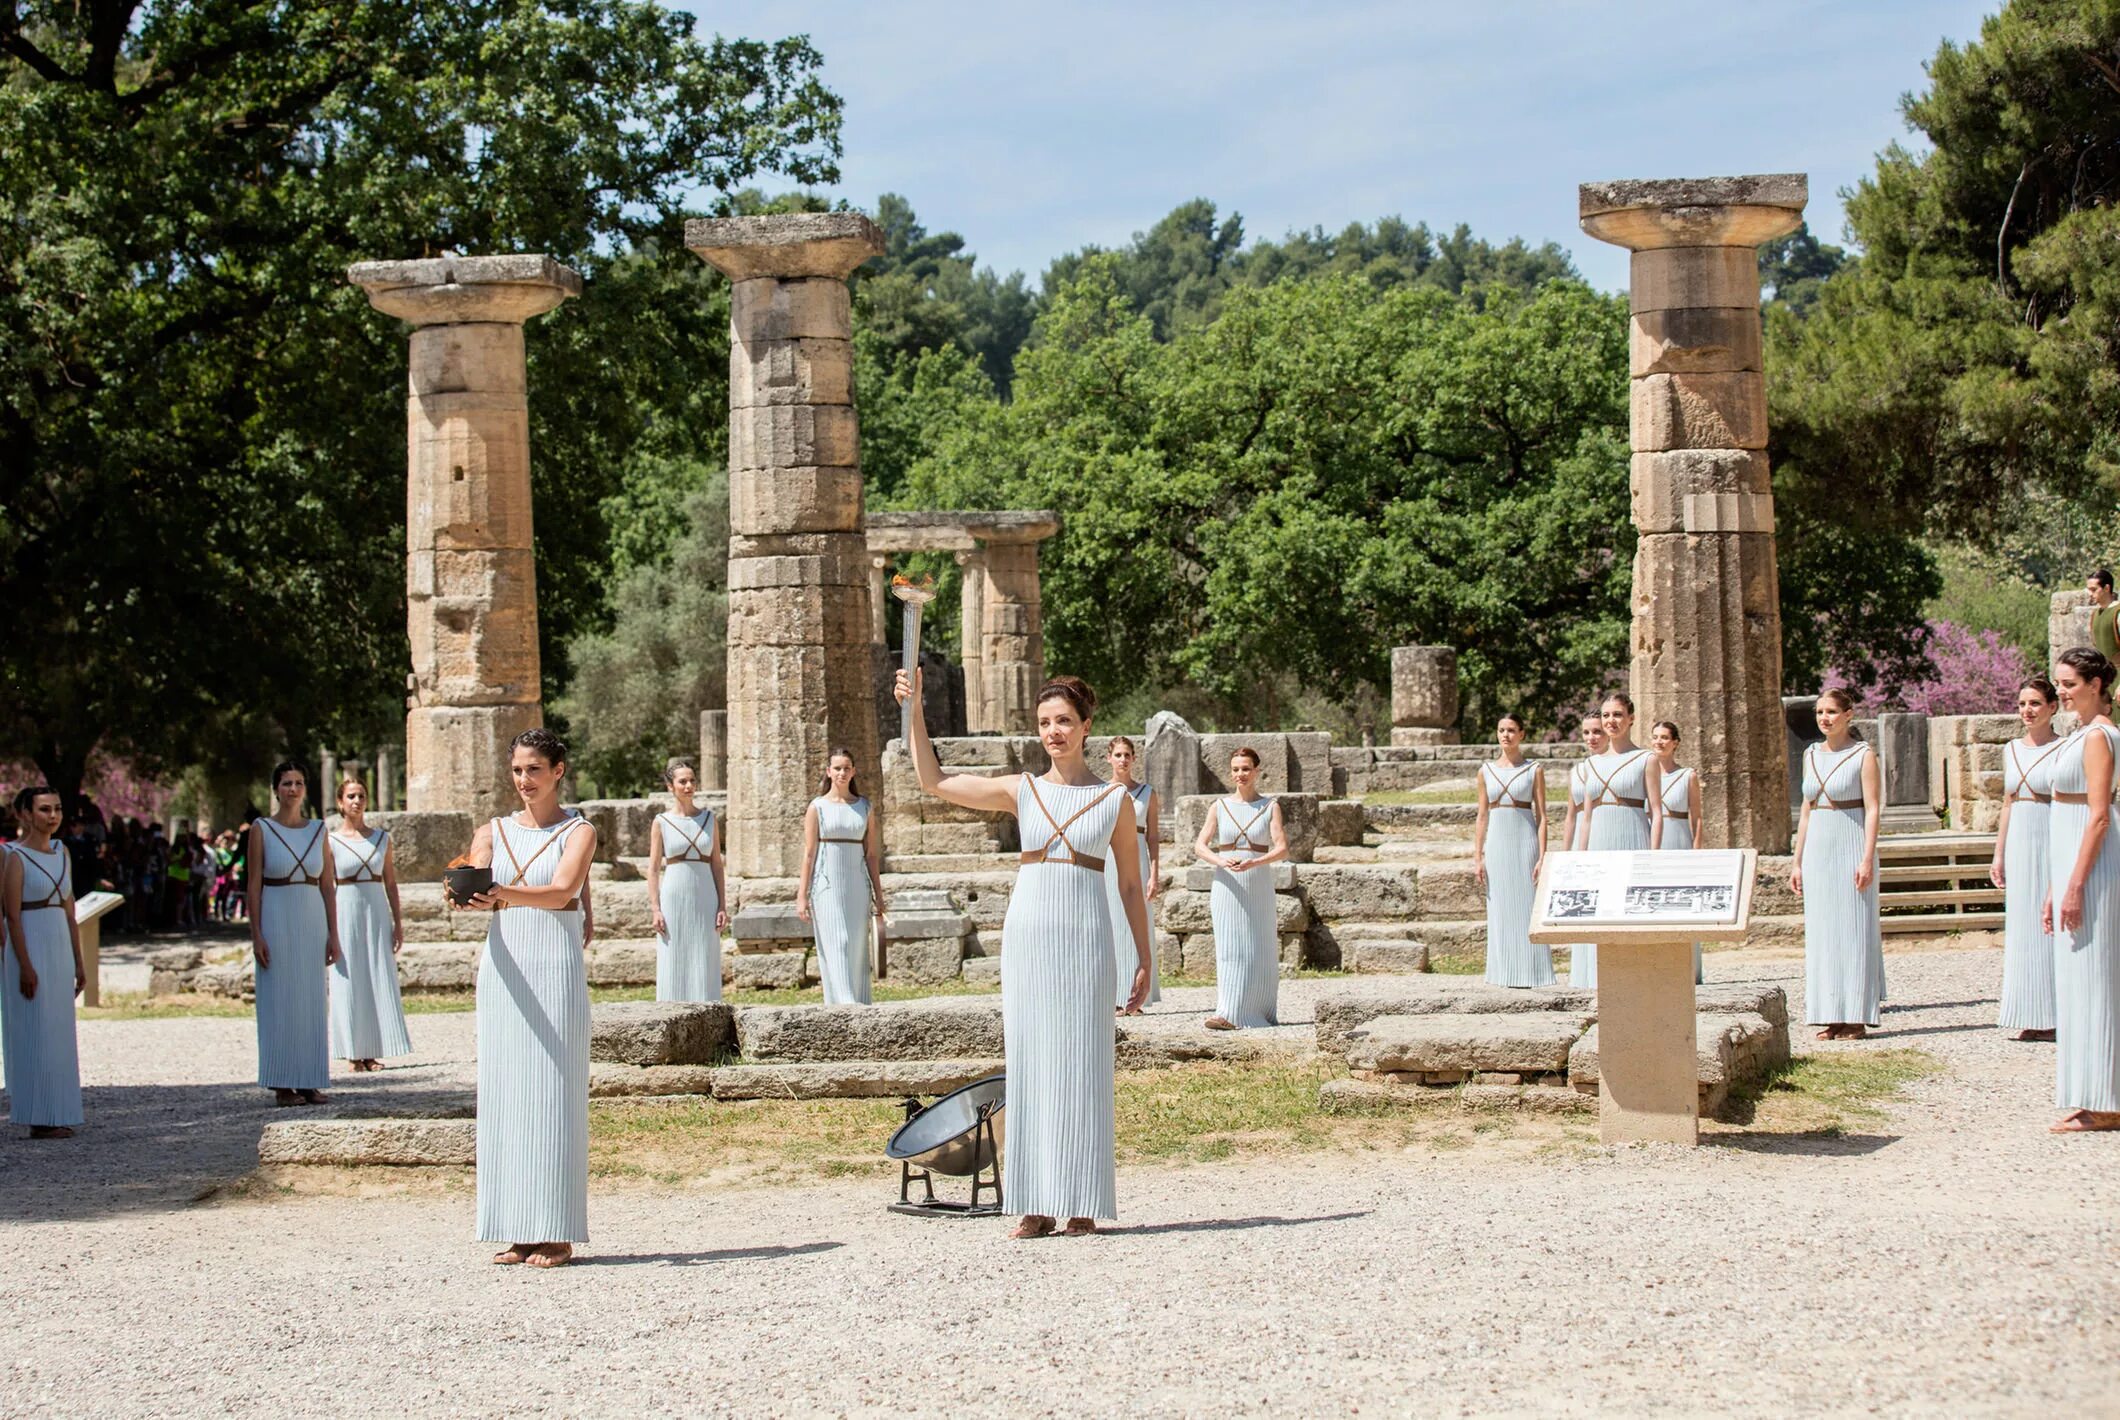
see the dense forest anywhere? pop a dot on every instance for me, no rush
(1275, 457)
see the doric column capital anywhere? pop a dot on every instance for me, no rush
(1654, 214)
(463, 290)
(792, 246)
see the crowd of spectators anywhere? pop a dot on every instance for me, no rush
(171, 877)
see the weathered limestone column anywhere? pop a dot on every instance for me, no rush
(799, 619)
(1707, 615)
(1011, 623)
(470, 573)
(714, 750)
(879, 601)
(971, 637)
(1424, 695)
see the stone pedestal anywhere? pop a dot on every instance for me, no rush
(1648, 1086)
(923, 938)
(1903, 755)
(470, 572)
(1707, 616)
(799, 617)
(1424, 695)
(1012, 628)
(1171, 760)
(2068, 624)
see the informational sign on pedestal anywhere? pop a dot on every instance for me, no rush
(1645, 911)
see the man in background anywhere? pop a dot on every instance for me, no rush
(2104, 613)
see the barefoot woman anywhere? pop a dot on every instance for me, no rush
(1835, 873)
(294, 934)
(533, 1017)
(2084, 906)
(1056, 959)
(42, 974)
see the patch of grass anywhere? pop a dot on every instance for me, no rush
(1418, 796)
(1457, 963)
(699, 1141)
(1827, 1093)
(139, 1006)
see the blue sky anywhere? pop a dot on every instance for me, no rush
(1034, 131)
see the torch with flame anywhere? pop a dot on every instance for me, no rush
(916, 593)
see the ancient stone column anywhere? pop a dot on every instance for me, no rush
(1011, 621)
(1424, 695)
(470, 574)
(799, 619)
(971, 637)
(879, 601)
(1707, 615)
(714, 750)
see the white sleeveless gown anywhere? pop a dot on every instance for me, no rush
(533, 1053)
(293, 993)
(1124, 958)
(1677, 799)
(367, 1015)
(1843, 942)
(839, 901)
(1241, 906)
(688, 954)
(1513, 959)
(43, 1060)
(2087, 960)
(2027, 948)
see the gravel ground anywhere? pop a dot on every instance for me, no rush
(1958, 1260)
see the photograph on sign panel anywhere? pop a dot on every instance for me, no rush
(1689, 901)
(1566, 904)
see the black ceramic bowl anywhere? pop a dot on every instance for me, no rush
(463, 884)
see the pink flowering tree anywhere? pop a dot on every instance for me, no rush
(1961, 672)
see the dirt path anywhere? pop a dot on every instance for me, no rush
(1956, 1261)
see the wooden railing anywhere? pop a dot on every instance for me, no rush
(1937, 882)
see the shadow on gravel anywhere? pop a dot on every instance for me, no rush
(1222, 1225)
(698, 1259)
(1820, 1145)
(160, 1147)
(1892, 1033)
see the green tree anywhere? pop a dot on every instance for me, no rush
(201, 507)
(1324, 471)
(635, 691)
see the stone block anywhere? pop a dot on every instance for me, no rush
(1536, 1042)
(797, 372)
(956, 1029)
(1340, 823)
(815, 445)
(1340, 1013)
(1903, 752)
(766, 971)
(799, 498)
(350, 1143)
(785, 247)
(1695, 340)
(771, 312)
(609, 1081)
(661, 1032)
(1451, 890)
(1391, 956)
(1730, 1050)
(925, 961)
(1310, 763)
(985, 969)
(1409, 736)
(456, 758)
(923, 913)
(1359, 893)
(850, 1079)
(1685, 278)
(438, 967)
(766, 926)
(1667, 485)
(1700, 412)
(2068, 622)
(1424, 686)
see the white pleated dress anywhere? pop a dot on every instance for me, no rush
(533, 1053)
(43, 1063)
(688, 954)
(839, 901)
(1513, 959)
(293, 1007)
(1241, 906)
(367, 1016)
(1677, 796)
(1616, 816)
(1843, 941)
(2027, 948)
(2087, 960)
(1123, 955)
(1056, 1012)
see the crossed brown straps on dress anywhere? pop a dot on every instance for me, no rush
(58, 892)
(367, 872)
(1593, 801)
(1508, 799)
(694, 852)
(1669, 812)
(2024, 773)
(300, 877)
(1044, 855)
(1244, 833)
(523, 868)
(1825, 800)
